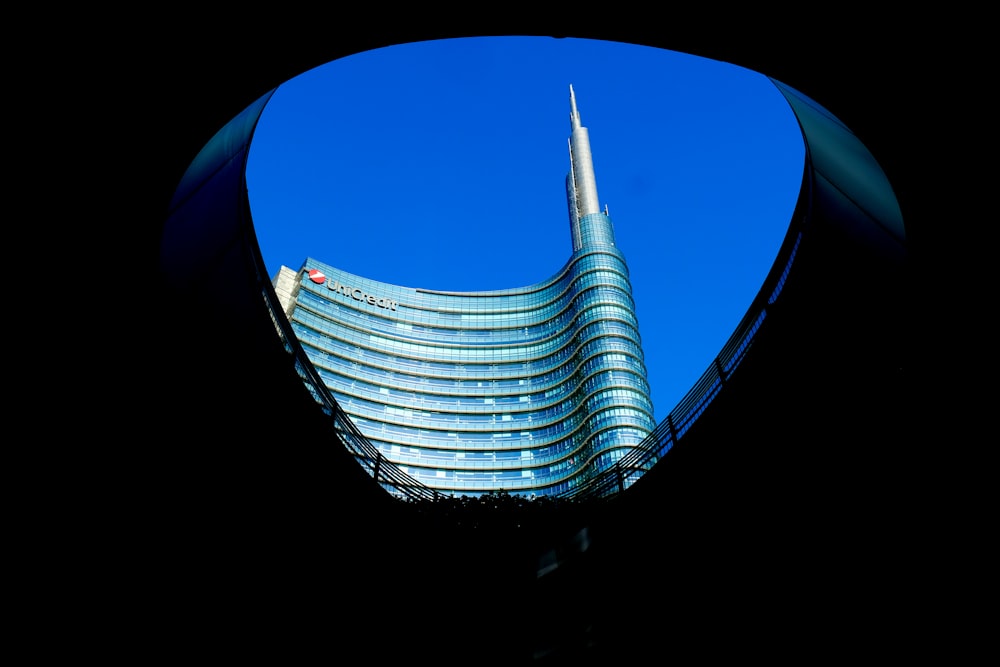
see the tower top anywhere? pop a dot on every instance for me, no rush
(574, 115)
(581, 187)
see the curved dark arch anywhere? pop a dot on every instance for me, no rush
(820, 379)
(209, 243)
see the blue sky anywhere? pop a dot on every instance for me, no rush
(441, 165)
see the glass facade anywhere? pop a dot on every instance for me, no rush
(529, 390)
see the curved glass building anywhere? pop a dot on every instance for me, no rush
(529, 390)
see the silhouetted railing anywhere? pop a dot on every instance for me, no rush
(638, 460)
(608, 483)
(846, 181)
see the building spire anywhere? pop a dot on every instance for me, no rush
(581, 186)
(574, 115)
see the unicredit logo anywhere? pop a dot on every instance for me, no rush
(319, 278)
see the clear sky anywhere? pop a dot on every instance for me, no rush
(442, 164)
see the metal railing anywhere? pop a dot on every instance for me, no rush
(612, 481)
(852, 196)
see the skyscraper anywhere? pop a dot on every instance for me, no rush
(530, 390)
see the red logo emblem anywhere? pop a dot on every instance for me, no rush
(317, 276)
